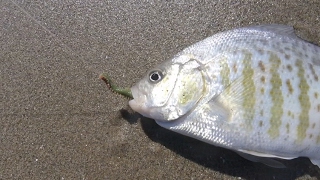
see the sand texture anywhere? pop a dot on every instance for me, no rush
(59, 121)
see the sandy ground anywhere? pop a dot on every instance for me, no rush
(58, 120)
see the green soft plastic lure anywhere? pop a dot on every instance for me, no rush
(122, 91)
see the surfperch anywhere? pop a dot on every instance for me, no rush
(254, 90)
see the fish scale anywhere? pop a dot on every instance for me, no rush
(277, 91)
(273, 114)
(258, 93)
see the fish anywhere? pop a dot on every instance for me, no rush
(254, 90)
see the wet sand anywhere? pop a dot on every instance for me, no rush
(59, 121)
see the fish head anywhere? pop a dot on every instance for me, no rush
(170, 90)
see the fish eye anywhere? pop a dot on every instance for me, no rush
(155, 76)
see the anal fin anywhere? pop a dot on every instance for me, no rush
(264, 160)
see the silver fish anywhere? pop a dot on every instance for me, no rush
(254, 90)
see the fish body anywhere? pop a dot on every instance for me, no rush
(254, 90)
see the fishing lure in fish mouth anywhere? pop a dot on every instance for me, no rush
(254, 90)
(115, 89)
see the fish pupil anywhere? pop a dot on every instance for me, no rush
(155, 76)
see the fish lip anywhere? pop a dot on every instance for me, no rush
(134, 92)
(138, 94)
(140, 108)
(138, 102)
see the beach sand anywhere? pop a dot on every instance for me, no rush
(59, 120)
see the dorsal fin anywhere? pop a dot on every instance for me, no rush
(279, 29)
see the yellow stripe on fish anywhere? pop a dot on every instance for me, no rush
(304, 103)
(276, 96)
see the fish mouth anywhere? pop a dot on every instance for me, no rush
(140, 107)
(138, 103)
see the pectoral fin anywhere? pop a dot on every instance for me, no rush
(241, 91)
